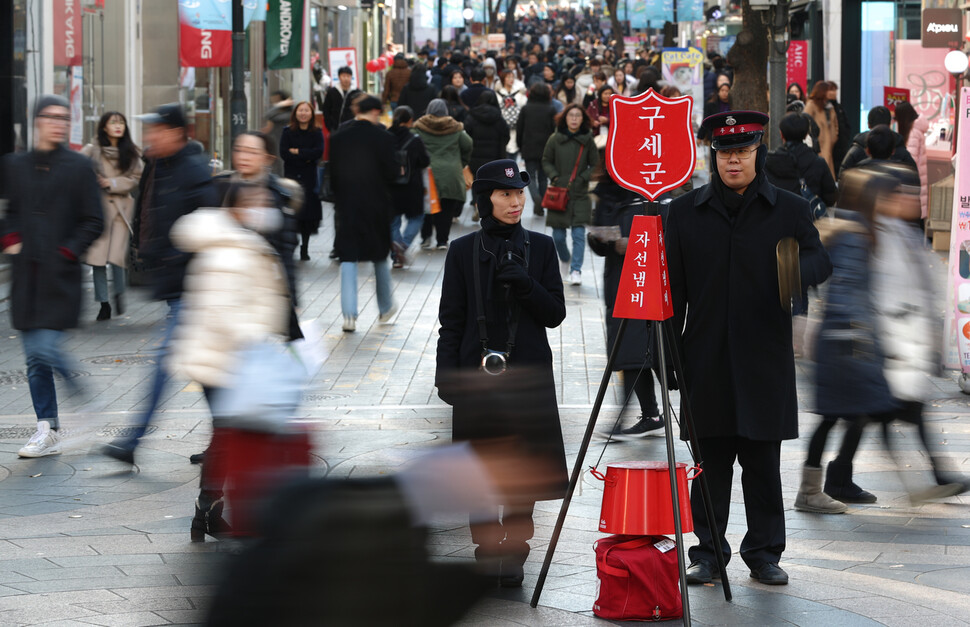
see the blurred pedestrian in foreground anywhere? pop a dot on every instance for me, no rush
(176, 181)
(500, 293)
(301, 147)
(408, 190)
(118, 165)
(735, 329)
(362, 158)
(616, 207)
(53, 215)
(236, 306)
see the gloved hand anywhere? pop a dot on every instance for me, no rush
(514, 275)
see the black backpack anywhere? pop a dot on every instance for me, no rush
(815, 204)
(404, 163)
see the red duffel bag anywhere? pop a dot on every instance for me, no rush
(638, 578)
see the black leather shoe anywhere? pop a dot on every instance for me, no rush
(120, 452)
(104, 313)
(770, 574)
(700, 571)
(197, 458)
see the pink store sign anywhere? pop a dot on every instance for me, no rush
(796, 66)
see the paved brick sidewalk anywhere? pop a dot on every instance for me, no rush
(85, 542)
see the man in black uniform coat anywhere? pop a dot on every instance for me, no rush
(736, 337)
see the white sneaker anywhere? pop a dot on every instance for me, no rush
(44, 442)
(575, 278)
(385, 317)
(350, 324)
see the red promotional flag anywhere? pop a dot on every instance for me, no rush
(796, 65)
(650, 146)
(644, 292)
(204, 48)
(67, 32)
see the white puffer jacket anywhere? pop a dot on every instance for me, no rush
(235, 294)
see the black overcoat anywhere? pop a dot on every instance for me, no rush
(489, 133)
(408, 199)
(363, 162)
(302, 168)
(460, 349)
(54, 211)
(616, 206)
(737, 339)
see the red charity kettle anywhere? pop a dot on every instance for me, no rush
(637, 501)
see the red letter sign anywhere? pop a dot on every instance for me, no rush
(644, 292)
(650, 147)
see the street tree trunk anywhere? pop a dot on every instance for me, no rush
(493, 6)
(510, 21)
(616, 28)
(749, 58)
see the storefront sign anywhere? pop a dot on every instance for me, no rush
(496, 41)
(684, 69)
(796, 66)
(344, 57)
(284, 34)
(892, 96)
(942, 28)
(957, 332)
(67, 32)
(644, 290)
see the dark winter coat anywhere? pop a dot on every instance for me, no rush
(472, 93)
(336, 107)
(795, 160)
(857, 152)
(535, 126)
(844, 140)
(460, 348)
(489, 133)
(617, 206)
(737, 340)
(417, 94)
(558, 161)
(849, 360)
(395, 80)
(170, 187)
(362, 156)
(54, 211)
(408, 199)
(450, 149)
(302, 168)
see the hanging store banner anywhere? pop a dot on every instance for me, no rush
(690, 10)
(451, 13)
(956, 337)
(76, 137)
(284, 34)
(253, 11)
(67, 32)
(684, 69)
(205, 37)
(796, 64)
(427, 13)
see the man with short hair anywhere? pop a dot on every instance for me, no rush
(476, 88)
(336, 104)
(176, 181)
(795, 161)
(53, 215)
(735, 335)
(878, 115)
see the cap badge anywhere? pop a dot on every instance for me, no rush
(730, 121)
(510, 173)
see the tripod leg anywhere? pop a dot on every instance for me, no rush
(672, 473)
(698, 458)
(578, 466)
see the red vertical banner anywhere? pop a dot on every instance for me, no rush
(205, 36)
(796, 67)
(67, 32)
(644, 291)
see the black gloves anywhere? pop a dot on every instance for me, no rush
(514, 275)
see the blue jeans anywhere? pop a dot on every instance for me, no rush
(579, 247)
(537, 181)
(44, 352)
(100, 276)
(410, 231)
(160, 376)
(348, 286)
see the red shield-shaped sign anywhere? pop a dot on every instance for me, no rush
(650, 147)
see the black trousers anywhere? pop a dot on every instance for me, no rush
(441, 221)
(506, 533)
(764, 541)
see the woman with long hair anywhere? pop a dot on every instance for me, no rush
(794, 89)
(456, 108)
(568, 160)
(567, 92)
(117, 162)
(599, 110)
(301, 147)
(913, 127)
(819, 107)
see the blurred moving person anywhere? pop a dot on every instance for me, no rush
(913, 128)
(53, 215)
(118, 165)
(501, 291)
(407, 193)
(859, 150)
(175, 181)
(301, 147)
(362, 158)
(236, 298)
(277, 117)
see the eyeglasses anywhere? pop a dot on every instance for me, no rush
(56, 118)
(741, 153)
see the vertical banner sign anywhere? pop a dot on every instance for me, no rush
(284, 34)
(892, 96)
(684, 69)
(205, 34)
(957, 332)
(690, 10)
(428, 15)
(644, 290)
(650, 147)
(796, 65)
(76, 137)
(67, 32)
(344, 57)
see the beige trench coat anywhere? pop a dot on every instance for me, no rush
(117, 203)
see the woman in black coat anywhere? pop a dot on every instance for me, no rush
(488, 130)
(301, 147)
(510, 277)
(617, 206)
(536, 124)
(417, 93)
(408, 197)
